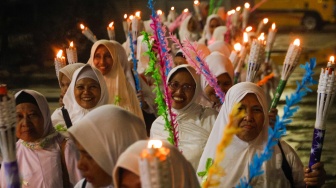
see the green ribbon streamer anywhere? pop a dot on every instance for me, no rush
(204, 174)
(278, 92)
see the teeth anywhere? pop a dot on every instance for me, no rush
(178, 99)
(87, 99)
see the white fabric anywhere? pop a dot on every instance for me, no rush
(238, 155)
(76, 112)
(194, 124)
(116, 82)
(42, 167)
(68, 71)
(181, 172)
(218, 34)
(143, 59)
(206, 33)
(106, 132)
(222, 47)
(184, 32)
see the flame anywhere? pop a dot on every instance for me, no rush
(332, 59)
(185, 10)
(261, 37)
(172, 8)
(238, 9)
(247, 5)
(245, 37)
(82, 26)
(265, 20)
(196, 2)
(111, 25)
(154, 144)
(131, 17)
(297, 42)
(237, 47)
(125, 16)
(159, 12)
(249, 28)
(231, 12)
(59, 54)
(71, 44)
(273, 26)
(137, 14)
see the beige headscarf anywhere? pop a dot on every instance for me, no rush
(120, 91)
(181, 172)
(106, 132)
(222, 47)
(68, 71)
(184, 32)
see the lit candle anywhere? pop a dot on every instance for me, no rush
(125, 25)
(235, 17)
(161, 15)
(270, 41)
(153, 165)
(197, 10)
(59, 62)
(242, 56)
(135, 25)
(88, 33)
(246, 14)
(172, 15)
(72, 53)
(262, 25)
(110, 31)
(292, 58)
(234, 54)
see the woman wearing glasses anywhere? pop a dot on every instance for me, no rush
(194, 121)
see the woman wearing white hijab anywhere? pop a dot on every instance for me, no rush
(248, 142)
(104, 56)
(80, 98)
(181, 173)
(189, 29)
(221, 67)
(212, 22)
(45, 158)
(101, 136)
(194, 121)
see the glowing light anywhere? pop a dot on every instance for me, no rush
(59, 54)
(237, 47)
(125, 16)
(137, 14)
(82, 26)
(111, 25)
(131, 17)
(247, 5)
(196, 2)
(273, 26)
(265, 20)
(297, 42)
(71, 44)
(261, 37)
(238, 9)
(332, 59)
(159, 12)
(245, 37)
(154, 144)
(186, 10)
(248, 29)
(172, 8)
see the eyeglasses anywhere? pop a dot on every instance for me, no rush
(185, 87)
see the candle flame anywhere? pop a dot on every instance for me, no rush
(82, 26)
(297, 42)
(332, 59)
(137, 14)
(261, 37)
(265, 20)
(59, 54)
(111, 25)
(172, 8)
(185, 10)
(159, 12)
(237, 47)
(238, 9)
(71, 44)
(196, 2)
(125, 16)
(248, 29)
(154, 144)
(273, 26)
(231, 12)
(131, 17)
(247, 5)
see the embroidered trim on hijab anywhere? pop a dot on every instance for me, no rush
(25, 97)
(87, 72)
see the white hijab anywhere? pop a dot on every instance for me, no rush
(184, 32)
(106, 132)
(222, 47)
(117, 84)
(68, 71)
(239, 153)
(218, 34)
(75, 111)
(181, 172)
(207, 36)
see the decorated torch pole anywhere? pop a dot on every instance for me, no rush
(255, 58)
(8, 138)
(88, 33)
(325, 96)
(291, 61)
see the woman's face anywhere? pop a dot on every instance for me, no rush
(212, 25)
(182, 88)
(225, 83)
(129, 180)
(192, 25)
(90, 170)
(87, 92)
(103, 60)
(253, 121)
(30, 122)
(64, 82)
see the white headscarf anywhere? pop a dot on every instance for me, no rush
(184, 32)
(222, 47)
(106, 132)
(218, 34)
(68, 71)
(206, 34)
(181, 172)
(143, 59)
(117, 85)
(77, 112)
(239, 153)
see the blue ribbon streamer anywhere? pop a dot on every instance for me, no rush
(135, 65)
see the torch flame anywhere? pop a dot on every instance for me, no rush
(125, 16)
(154, 144)
(59, 54)
(82, 26)
(245, 37)
(273, 26)
(131, 17)
(196, 2)
(237, 47)
(111, 25)
(185, 10)
(247, 5)
(265, 20)
(159, 12)
(238, 9)
(261, 37)
(297, 42)
(137, 14)
(172, 8)
(71, 44)
(231, 12)
(332, 59)
(248, 29)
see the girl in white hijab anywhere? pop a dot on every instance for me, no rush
(238, 155)
(212, 22)
(101, 136)
(181, 175)
(75, 110)
(119, 89)
(189, 29)
(221, 67)
(194, 121)
(45, 158)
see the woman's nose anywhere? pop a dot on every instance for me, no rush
(249, 115)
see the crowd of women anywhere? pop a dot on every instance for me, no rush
(95, 137)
